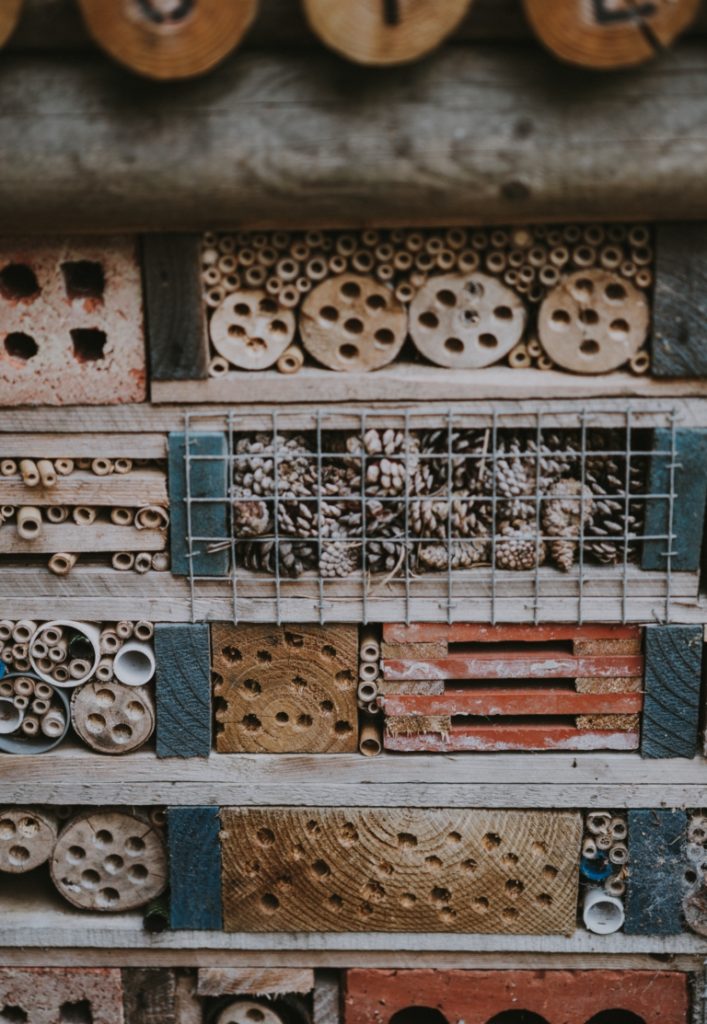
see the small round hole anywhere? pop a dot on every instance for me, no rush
(503, 313)
(615, 292)
(21, 346)
(560, 317)
(242, 309)
(446, 297)
(278, 327)
(589, 347)
(282, 718)
(384, 336)
(488, 340)
(348, 351)
(353, 325)
(236, 331)
(267, 306)
(619, 327)
(589, 317)
(429, 319)
(454, 345)
(376, 301)
(350, 290)
(329, 313)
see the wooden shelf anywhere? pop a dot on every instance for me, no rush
(70, 775)
(416, 381)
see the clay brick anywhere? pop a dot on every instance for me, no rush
(60, 995)
(559, 997)
(49, 289)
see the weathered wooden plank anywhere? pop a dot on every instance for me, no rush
(520, 664)
(183, 690)
(70, 537)
(89, 445)
(139, 487)
(208, 467)
(680, 301)
(194, 868)
(688, 480)
(481, 632)
(476, 997)
(654, 893)
(254, 981)
(487, 738)
(395, 154)
(673, 680)
(343, 869)
(513, 702)
(174, 310)
(149, 995)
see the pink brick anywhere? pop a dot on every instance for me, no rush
(64, 370)
(57, 995)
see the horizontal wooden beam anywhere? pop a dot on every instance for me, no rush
(489, 134)
(70, 537)
(140, 487)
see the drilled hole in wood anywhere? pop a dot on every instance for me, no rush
(544, 899)
(343, 728)
(122, 733)
(20, 345)
(232, 654)
(278, 327)
(480, 904)
(406, 840)
(135, 845)
(320, 869)
(335, 902)
(510, 859)
(327, 706)
(590, 346)
(503, 313)
(384, 336)
(344, 678)
(268, 306)
(312, 827)
(18, 281)
(509, 914)
(304, 721)
(265, 836)
(264, 657)
(615, 292)
(90, 878)
(294, 639)
(446, 297)
(299, 682)
(348, 351)
(353, 325)
(75, 854)
(514, 888)
(440, 895)
(350, 290)
(103, 837)
(242, 309)
(488, 340)
(329, 313)
(113, 863)
(373, 891)
(269, 902)
(619, 327)
(251, 723)
(433, 863)
(83, 279)
(376, 302)
(89, 344)
(429, 320)
(560, 318)
(455, 345)
(18, 855)
(138, 873)
(491, 841)
(329, 651)
(590, 317)
(453, 839)
(365, 910)
(550, 872)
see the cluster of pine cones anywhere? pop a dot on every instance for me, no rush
(397, 502)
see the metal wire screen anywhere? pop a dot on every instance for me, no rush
(373, 515)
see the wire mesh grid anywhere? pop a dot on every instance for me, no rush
(372, 515)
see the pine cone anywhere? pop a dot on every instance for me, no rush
(518, 547)
(259, 459)
(251, 517)
(392, 460)
(458, 555)
(290, 559)
(566, 508)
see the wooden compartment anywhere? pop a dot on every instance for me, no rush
(475, 687)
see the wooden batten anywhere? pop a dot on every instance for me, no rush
(654, 894)
(194, 868)
(183, 687)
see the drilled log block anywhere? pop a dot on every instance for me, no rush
(400, 870)
(656, 840)
(46, 995)
(680, 301)
(183, 689)
(286, 688)
(673, 679)
(475, 997)
(194, 868)
(196, 523)
(176, 325)
(685, 476)
(149, 995)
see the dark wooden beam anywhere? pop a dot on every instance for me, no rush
(492, 134)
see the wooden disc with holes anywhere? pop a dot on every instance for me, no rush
(168, 39)
(247, 1011)
(27, 838)
(606, 34)
(466, 320)
(10, 11)
(384, 31)
(593, 321)
(109, 860)
(251, 330)
(351, 322)
(112, 718)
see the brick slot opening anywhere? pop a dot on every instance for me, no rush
(21, 346)
(83, 279)
(89, 343)
(18, 281)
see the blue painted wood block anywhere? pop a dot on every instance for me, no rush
(210, 520)
(194, 868)
(183, 690)
(656, 839)
(690, 485)
(672, 681)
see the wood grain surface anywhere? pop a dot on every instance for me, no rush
(673, 680)
(174, 312)
(194, 868)
(680, 301)
(285, 688)
(336, 869)
(149, 995)
(183, 690)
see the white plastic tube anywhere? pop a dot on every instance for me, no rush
(134, 664)
(92, 634)
(602, 913)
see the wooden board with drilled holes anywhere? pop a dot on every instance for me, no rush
(592, 674)
(400, 870)
(285, 689)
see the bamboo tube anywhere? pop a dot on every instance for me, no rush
(43, 691)
(83, 463)
(44, 665)
(215, 296)
(366, 692)
(219, 366)
(559, 256)
(589, 849)
(615, 886)
(56, 513)
(29, 522)
(496, 262)
(64, 467)
(23, 631)
(255, 276)
(62, 563)
(644, 278)
(29, 472)
(289, 297)
(370, 737)
(124, 629)
(57, 653)
(618, 828)
(273, 286)
(61, 674)
(6, 628)
(123, 560)
(83, 515)
(8, 657)
(519, 357)
(23, 686)
(598, 822)
(160, 561)
(101, 466)
(404, 292)
(123, 465)
(8, 467)
(22, 664)
(144, 630)
(368, 671)
(104, 669)
(639, 235)
(52, 634)
(338, 264)
(549, 276)
(21, 702)
(369, 644)
(640, 363)
(291, 360)
(121, 516)
(143, 562)
(30, 725)
(8, 511)
(6, 689)
(618, 854)
(604, 843)
(53, 724)
(78, 668)
(39, 707)
(544, 363)
(47, 473)
(108, 642)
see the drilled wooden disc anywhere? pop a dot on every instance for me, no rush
(247, 1011)
(27, 838)
(609, 33)
(251, 330)
(352, 322)
(113, 718)
(109, 861)
(384, 31)
(593, 322)
(466, 320)
(10, 11)
(168, 39)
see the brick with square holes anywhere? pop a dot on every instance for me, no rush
(61, 995)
